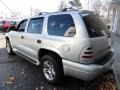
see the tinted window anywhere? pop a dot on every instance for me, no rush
(22, 25)
(61, 25)
(95, 26)
(35, 25)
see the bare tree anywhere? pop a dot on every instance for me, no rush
(36, 11)
(101, 8)
(17, 15)
(78, 3)
(106, 12)
(75, 4)
(61, 6)
(71, 3)
(97, 6)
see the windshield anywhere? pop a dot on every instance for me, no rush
(95, 26)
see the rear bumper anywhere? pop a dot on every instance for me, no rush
(89, 71)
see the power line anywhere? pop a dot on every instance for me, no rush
(6, 6)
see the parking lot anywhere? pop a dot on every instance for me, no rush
(18, 74)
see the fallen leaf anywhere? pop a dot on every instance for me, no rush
(23, 69)
(9, 82)
(37, 88)
(55, 88)
(25, 66)
(12, 78)
(22, 73)
(41, 87)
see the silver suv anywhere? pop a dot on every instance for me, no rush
(73, 43)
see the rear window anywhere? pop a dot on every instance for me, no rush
(95, 26)
(61, 25)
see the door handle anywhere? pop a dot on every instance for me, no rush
(38, 41)
(22, 37)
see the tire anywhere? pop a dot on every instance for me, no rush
(9, 48)
(51, 69)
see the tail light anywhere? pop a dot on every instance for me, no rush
(87, 54)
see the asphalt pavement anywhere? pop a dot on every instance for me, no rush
(18, 74)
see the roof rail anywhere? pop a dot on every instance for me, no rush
(68, 9)
(41, 13)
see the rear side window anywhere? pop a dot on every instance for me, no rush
(35, 25)
(95, 26)
(61, 25)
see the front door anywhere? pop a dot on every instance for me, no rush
(18, 40)
(33, 37)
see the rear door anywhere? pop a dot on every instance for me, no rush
(99, 35)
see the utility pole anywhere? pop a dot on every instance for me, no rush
(31, 10)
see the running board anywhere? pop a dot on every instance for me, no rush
(27, 58)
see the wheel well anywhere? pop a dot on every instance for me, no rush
(43, 52)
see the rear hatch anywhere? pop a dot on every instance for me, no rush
(99, 36)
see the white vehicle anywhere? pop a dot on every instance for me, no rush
(73, 43)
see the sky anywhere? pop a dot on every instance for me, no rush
(23, 7)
